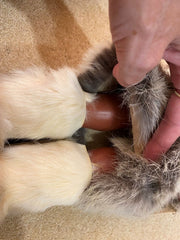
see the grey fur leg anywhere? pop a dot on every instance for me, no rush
(136, 187)
(148, 99)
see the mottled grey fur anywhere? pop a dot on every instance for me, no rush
(136, 187)
(98, 77)
(148, 100)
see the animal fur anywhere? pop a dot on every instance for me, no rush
(95, 71)
(136, 187)
(34, 177)
(39, 103)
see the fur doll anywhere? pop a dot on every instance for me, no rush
(133, 186)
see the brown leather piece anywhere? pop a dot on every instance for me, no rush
(103, 158)
(106, 113)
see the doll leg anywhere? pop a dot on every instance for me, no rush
(34, 177)
(128, 185)
(39, 103)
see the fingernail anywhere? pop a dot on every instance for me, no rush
(115, 71)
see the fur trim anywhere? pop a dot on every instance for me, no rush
(148, 100)
(39, 103)
(36, 177)
(136, 187)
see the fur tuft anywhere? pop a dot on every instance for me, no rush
(137, 187)
(36, 177)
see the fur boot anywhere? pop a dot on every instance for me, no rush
(34, 177)
(136, 187)
(39, 103)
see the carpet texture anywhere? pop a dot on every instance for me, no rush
(56, 33)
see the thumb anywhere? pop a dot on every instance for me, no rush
(136, 56)
(168, 131)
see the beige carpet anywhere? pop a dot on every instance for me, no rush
(56, 33)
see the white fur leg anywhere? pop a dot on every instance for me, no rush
(39, 103)
(36, 177)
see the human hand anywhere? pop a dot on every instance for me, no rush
(168, 130)
(144, 32)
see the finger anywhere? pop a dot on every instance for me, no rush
(168, 131)
(172, 55)
(137, 55)
(106, 113)
(175, 74)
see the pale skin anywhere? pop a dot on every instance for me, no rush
(143, 32)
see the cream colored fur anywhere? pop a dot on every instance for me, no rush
(36, 177)
(39, 103)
